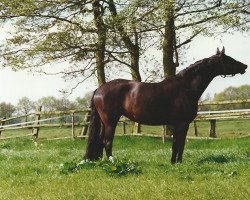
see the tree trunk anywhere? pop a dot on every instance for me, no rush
(135, 56)
(100, 67)
(26, 115)
(101, 42)
(133, 48)
(169, 66)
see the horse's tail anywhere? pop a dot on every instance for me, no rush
(94, 149)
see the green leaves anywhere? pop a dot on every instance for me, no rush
(118, 168)
(73, 166)
(121, 167)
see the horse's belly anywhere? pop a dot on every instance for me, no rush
(163, 117)
(159, 109)
(148, 119)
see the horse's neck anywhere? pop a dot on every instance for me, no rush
(197, 80)
(201, 78)
(199, 83)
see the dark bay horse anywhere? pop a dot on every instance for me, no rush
(174, 101)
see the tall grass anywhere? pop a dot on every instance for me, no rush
(212, 169)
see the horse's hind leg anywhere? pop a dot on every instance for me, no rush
(109, 127)
(108, 139)
(102, 139)
(109, 122)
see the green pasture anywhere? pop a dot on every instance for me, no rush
(212, 169)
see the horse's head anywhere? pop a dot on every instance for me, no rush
(228, 65)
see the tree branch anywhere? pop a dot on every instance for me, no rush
(204, 20)
(189, 39)
(118, 60)
(218, 4)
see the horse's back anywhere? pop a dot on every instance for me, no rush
(114, 88)
(109, 98)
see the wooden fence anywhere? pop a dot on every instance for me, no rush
(53, 118)
(214, 116)
(39, 119)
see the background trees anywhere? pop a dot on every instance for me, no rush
(25, 106)
(84, 102)
(6, 110)
(48, 104)
(233, 93)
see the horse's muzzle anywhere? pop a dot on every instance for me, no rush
(243, 69)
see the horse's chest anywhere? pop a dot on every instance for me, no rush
(185, 107)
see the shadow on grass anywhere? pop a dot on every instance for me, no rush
(220, 159)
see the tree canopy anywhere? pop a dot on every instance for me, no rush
(91, 38)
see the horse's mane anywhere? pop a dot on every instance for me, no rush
(193, 68)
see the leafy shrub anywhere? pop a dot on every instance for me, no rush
(120, 167)
(116, 168)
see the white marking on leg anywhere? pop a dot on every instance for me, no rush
(111, 159)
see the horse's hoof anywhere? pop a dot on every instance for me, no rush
(111, 159)
(82, 162)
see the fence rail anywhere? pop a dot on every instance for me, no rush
(40, 117)
(209, 103)
(223, 114)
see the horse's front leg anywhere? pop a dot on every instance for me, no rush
(174, 149)
(179, 138)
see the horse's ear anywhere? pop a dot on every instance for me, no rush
(218, 51)
(223, 50)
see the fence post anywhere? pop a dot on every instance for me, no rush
(137, 128)
(212, 131)
(35, 129)
(195, 129)
(164, 133)
(86, 121)
(124, 127)
(2, 122)
(167, 131)
(73, 124)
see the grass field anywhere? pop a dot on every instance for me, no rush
(212, 169)
(225, 129)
